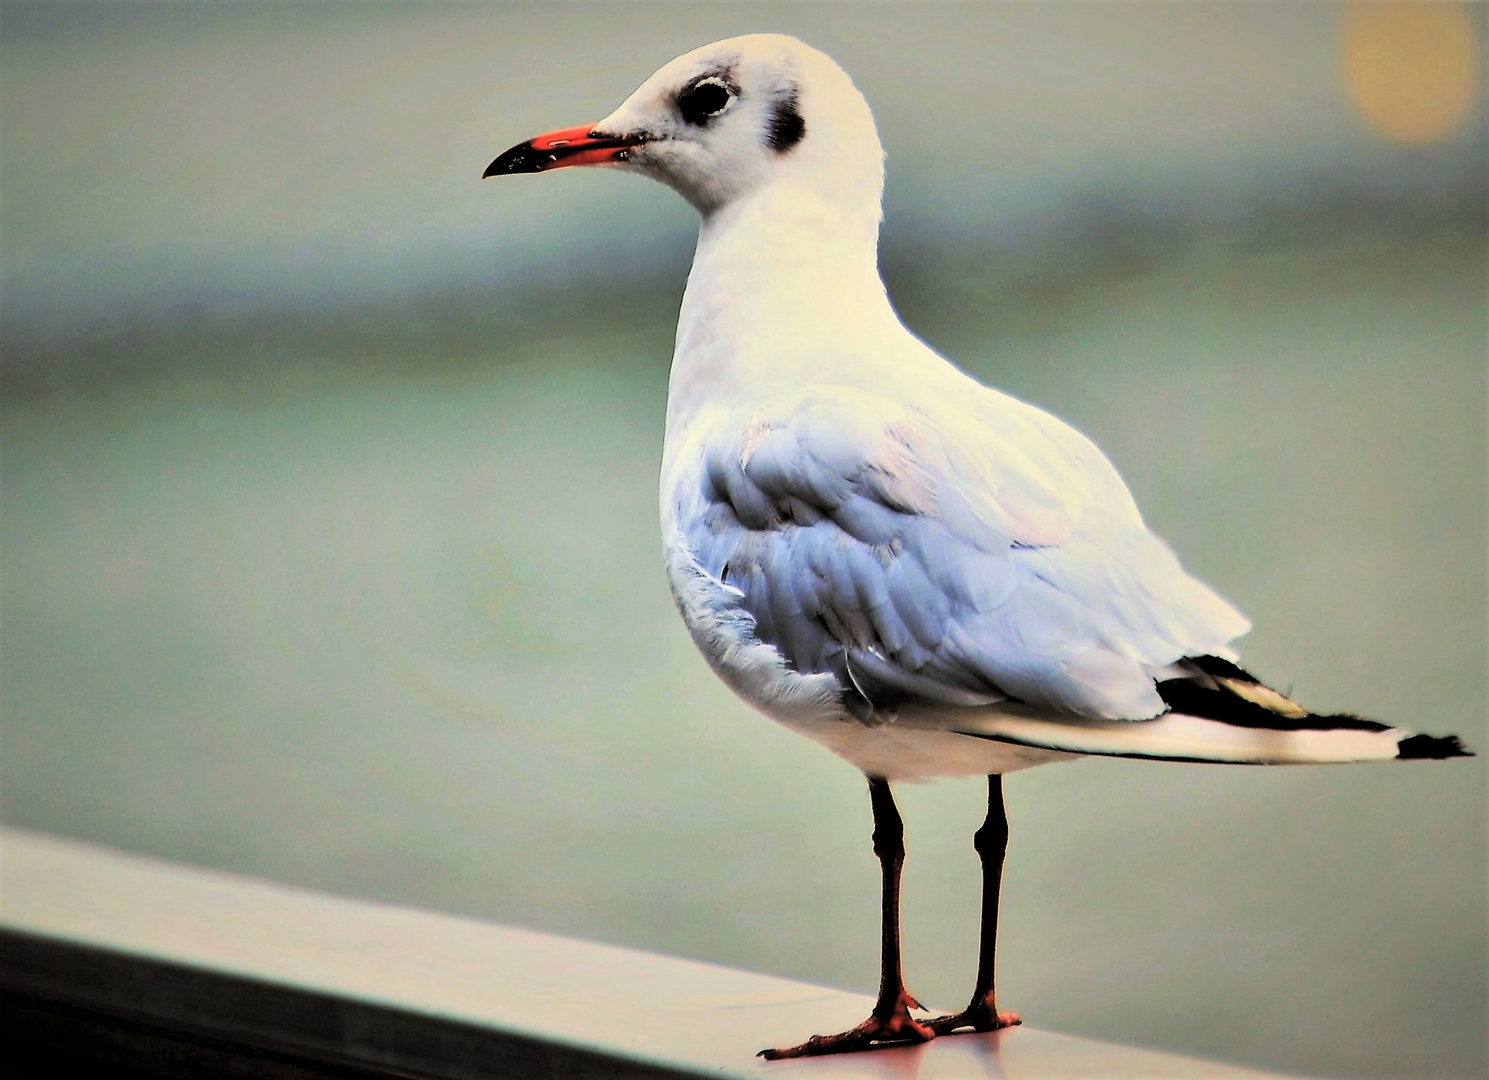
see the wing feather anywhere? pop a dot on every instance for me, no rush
(927, 559)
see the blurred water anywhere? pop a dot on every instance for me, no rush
(224, 153)
(403, 634)
(328, 547)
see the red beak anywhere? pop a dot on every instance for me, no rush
(560, 149)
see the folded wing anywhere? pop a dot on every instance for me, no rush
(957, 556)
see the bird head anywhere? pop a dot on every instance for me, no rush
(723, 121)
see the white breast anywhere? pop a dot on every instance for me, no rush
(810, 705)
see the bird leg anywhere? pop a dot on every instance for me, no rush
(991, 842)
(890, 1022)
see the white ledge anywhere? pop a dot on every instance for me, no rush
(380, 987)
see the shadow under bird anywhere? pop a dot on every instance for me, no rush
(925, 575)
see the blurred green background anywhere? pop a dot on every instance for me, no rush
(329, 540)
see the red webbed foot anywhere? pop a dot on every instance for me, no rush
(890, 1024)
(981, 1015)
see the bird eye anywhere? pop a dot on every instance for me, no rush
(704, 100)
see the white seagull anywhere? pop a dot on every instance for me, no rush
(925, 575)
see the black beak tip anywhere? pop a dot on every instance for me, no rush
(522, 158)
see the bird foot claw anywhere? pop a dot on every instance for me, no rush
(889, 1026)
(979, 1016)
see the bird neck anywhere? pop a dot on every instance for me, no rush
(792, 242)
(784, 293)
(785, 283)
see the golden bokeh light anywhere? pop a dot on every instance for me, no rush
(1412, 68)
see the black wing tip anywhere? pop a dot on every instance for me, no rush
(1218, 666)
(1431, 748)
(1227, 703)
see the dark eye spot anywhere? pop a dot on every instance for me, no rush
(704, 99)
(786, 125)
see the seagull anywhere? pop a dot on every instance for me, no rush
(928, 577)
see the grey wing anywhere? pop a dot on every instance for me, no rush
(917, 571)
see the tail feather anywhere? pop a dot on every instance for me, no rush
(1431, 748)
(1217, 713)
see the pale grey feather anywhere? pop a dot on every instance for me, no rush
(868, 554)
